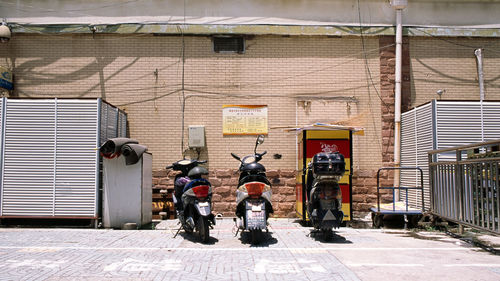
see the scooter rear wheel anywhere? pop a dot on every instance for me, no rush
(203, 229)
(327, 234)
(256, 235)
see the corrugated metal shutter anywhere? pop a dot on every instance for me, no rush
(408, 150)
(28, 175)
(461, 123)
(109, 122)
(456, 123)
(417, 140)
(122, 124)
(103, 122)
(491, 114)
(50, 159)
(76, 158)
(2, 103)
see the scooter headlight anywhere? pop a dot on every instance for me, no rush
(249, 159)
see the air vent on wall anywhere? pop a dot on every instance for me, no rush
(229, 44)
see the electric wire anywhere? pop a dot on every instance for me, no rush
(366, 58)
(485, 47)
(378, 138)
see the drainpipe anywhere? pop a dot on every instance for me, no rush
(398, 5)
(480, 75)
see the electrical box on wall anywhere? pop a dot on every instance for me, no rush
(196, 136)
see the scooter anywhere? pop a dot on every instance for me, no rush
(193, 198)
(253, 195)
(324, 196)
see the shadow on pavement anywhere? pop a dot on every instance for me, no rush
(193, 237)
(333, 238)
(266, 239)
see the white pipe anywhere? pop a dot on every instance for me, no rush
(480, 75)
(397, 98)
(479, 60)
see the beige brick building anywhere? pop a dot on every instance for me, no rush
(303, 75)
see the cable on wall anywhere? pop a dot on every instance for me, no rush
(366, 58)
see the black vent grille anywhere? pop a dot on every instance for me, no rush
(229, 44)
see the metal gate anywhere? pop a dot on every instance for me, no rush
(467, 191)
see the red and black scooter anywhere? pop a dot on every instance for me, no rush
(324, 196)
(253, 195)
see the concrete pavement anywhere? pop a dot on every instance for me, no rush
(288, 253)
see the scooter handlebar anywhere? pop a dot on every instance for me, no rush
(235, 156)
(169, 167)
(263, 153)
(201, 162)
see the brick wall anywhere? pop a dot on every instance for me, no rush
(331, 74)
(274, 70)
(450, 64)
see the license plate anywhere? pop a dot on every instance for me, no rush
(203, 204)
(256, 219)
(256, 208)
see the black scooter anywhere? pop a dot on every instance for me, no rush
(253, 195)
(193, 198)
(324, 196)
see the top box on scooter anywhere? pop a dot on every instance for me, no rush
(328, 164)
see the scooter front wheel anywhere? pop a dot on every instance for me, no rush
(203, 229)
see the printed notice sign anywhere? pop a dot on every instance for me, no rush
(244, 119)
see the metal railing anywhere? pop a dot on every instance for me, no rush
(464, 185)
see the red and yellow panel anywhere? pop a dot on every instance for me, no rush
(325, 141)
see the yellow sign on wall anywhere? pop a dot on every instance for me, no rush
(244, 119)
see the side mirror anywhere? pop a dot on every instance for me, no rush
(260, 139)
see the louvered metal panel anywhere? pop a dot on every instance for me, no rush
(122, 124)
(109, 122)
(2, 110)
(28, 168)
(491, 112)
(408, 150)
(455, 123)
(103, 122)
(112, 126)
(50, 159)
(417, 140)
(76, 158)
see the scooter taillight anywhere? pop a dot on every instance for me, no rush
(201, 191)
(255, 189)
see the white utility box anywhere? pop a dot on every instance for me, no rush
(196, 136)
(127, 192)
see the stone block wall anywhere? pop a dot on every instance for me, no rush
(225, 181)
(365, 190)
